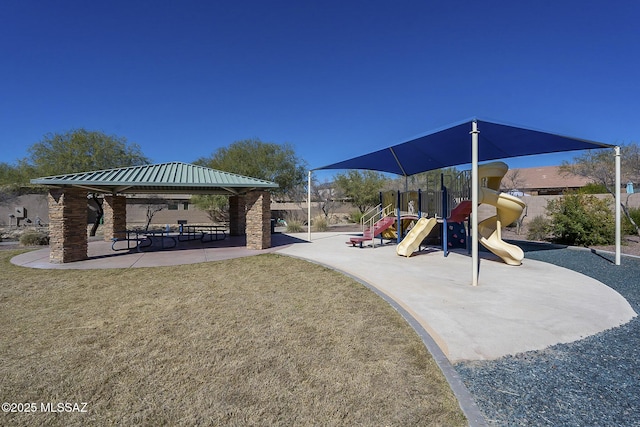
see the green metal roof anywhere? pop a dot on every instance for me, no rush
(159, 178)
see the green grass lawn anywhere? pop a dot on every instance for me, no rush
(263, 340)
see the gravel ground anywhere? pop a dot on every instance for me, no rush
(591, 382)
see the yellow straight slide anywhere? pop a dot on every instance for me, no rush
(417, 234)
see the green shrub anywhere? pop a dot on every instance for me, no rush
(294, 226)
(581, 219)
(34, 238)
(538, 228)
(627, 227)
(593, 188)
(355, 216)
(320, 223)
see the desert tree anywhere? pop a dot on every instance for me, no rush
(81, 150)
(278, 163)
(362, 188)
(512, 181)
(254, 158)
(599, 166)
(152, 207)
(216, 206)
(326, 195)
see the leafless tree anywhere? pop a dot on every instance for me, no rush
(325, 195)
(513, 181)
(154, 206)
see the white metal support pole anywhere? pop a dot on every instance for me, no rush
(618, 232)
(474, 203)
(309, 207)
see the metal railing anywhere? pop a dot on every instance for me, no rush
(372, 216)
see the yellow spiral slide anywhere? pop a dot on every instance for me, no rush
(508, 209)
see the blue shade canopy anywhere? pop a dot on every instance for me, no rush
(452, 146)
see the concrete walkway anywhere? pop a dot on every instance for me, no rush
(514, 309)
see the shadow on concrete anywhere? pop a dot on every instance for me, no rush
(277, 240)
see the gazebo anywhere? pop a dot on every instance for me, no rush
(249, 202)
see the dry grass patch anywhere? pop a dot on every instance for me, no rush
(265, 340)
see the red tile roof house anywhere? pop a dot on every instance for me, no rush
(544, 180)
(536, 186)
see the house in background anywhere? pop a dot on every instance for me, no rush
(541, 181)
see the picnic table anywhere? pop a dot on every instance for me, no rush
(135, 239)
(206, 233)
(165, 238)
(139, 239)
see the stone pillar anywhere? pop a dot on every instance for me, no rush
(237, 215)
(258, 220)
(115, 217)
(67, 225)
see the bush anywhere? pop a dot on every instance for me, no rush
(627, 227)
(593, 188)
(294, 226)
(34, 238)
(538, 228)
(355, 216)
(581, 219)
(320, 223)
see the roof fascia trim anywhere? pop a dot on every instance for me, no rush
(230, 190)
(94, 189)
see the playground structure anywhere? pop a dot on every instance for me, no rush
(414, 238)
(411, 217)
(407, 208)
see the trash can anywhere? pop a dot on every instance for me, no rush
(273, 225)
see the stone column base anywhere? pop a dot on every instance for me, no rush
(115, 217)
(258, 220)
(67, 225)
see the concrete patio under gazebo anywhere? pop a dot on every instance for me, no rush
(249, 202)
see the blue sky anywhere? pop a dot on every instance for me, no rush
(335, 79)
